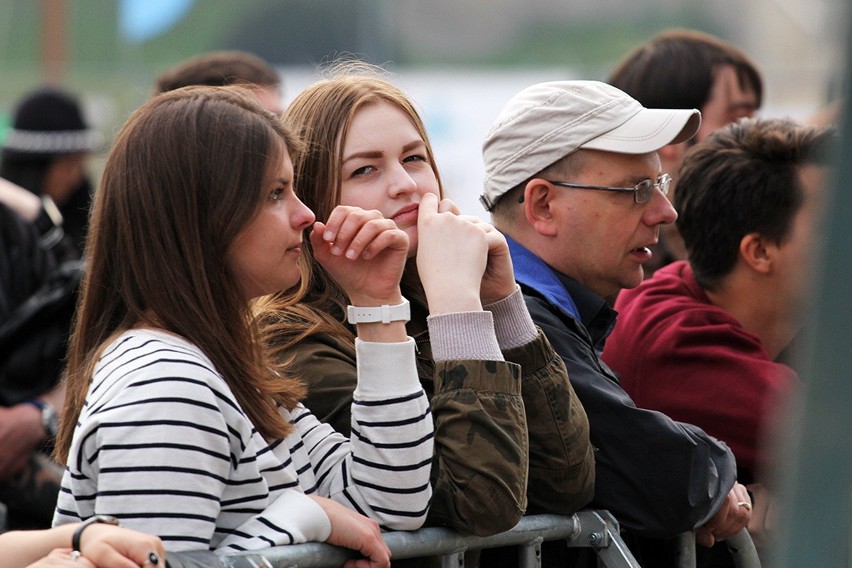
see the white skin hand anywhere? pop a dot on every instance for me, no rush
(730, 519)
(108, 546)
(498, 280)
(363, 252)
(61, 558)
(452, 255)
(357, 532)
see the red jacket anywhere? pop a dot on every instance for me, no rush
(679, 354)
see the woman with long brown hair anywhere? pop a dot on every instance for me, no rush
(177, 421)
(502, 403)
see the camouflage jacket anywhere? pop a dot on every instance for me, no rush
(495, 423)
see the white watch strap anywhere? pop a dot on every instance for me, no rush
(383, 313)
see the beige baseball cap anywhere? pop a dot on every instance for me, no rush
(547, 121)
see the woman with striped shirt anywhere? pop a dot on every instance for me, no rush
(177, 421)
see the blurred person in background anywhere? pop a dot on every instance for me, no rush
(222, 68)
(682, 68)
(46, 152)
(37, 298)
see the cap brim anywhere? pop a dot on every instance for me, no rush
(649, 130)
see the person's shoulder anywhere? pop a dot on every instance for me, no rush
(667, 294)
(142, 356)
(541, 307)
(154, 342)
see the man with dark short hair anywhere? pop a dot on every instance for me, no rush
(702, 341)
(574, 181)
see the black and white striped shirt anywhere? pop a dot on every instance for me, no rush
(162, 444)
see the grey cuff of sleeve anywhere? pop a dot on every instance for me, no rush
(512, 322)
(463, 335)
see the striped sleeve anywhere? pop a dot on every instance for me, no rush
(162, 445)
(383, 470)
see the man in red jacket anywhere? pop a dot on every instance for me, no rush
(703, 341)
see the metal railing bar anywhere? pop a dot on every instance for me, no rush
(589, 528)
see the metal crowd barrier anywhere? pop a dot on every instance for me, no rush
(595, 529)
(741, 547)
(589, 529)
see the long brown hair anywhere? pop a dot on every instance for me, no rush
(185, 175)
(321, 115)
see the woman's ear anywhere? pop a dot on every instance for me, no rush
(538, 207)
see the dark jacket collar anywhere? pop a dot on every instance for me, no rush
(563, 292)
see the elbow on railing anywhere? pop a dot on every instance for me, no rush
(397, 520)
(478, 517)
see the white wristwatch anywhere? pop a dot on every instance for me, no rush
(383, 313)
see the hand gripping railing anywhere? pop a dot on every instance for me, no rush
(740, 545)
(590, 528)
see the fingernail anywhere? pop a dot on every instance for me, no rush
(335, 251)
(328, 235)
(153, 558)
(350, 254)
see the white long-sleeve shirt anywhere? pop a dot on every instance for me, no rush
(163, 445)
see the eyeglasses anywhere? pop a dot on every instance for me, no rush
(642, 191)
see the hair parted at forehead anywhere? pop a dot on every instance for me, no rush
(321, 115)
(676, 69)
(196, 157)
(742, 179)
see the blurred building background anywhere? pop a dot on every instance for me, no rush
(459, 60)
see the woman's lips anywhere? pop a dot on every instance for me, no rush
(406, 214)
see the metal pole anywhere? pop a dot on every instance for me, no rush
(530, 555)
(53, 24)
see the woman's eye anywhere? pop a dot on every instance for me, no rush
(277, 194)
(415, 158)
(363, 170)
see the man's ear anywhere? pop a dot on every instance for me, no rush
(671, 156)
(758, 252)
(672, 151)
(538, 196)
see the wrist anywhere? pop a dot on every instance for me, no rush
(77, 537)
(453, 302)
(382, 313)
(48, 416)
(367, 300)
(495, 296)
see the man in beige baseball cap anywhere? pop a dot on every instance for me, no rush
(573, 179)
